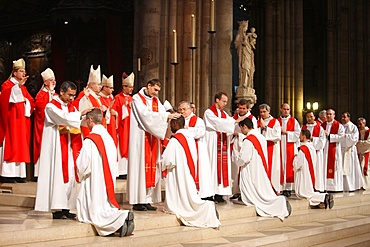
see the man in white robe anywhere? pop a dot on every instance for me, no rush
(290, 130)
(61, 142)
(255, 186)
(243, 110)
(219, 130)
(352, 179)
(148, 125)
(196, 127)
(96, 166)
(304, 169)
(333, 163)
(182, 199)
(270, 128)
(363, 150)
(318, 140)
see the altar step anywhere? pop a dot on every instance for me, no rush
(305, 227)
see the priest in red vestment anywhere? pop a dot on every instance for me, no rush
(16, 108)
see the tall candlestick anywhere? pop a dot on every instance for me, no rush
(212, 17)
(138, 64)
(192, 31)
(174, 46)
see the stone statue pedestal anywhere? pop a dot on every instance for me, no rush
(246, 93)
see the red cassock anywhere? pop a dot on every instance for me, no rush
(42, 98)
(15, 125)
(123, 129)
(111, 127)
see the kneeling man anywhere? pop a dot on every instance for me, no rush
(96, 164)
(255, 186)
(304, 169)
(182, 199)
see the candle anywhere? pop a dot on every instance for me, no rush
(192, 31)
(138, 64)
(174, 46)
(212, 17)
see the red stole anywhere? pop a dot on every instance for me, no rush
(95, 103)
(366, 155)
(315, 130)
(222, 158)
(106, 169)
(332, 149)
(307, 154)
(270, 146)
(184, 143)
(192, 122)
(257, 145)
(236, 116)
(111, 127)
(151, 149)
(123, 129)
(289, 171)
(76, 144)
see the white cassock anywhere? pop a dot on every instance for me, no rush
(206, 188)
(182, 197)
(52, 192)
(363, 149)
(273, 135)
(351, 166)
(143, 119)
(303, 182)
(93, 205)
(292, 136)
(216, 124)
(255, 187)
(336, 183)
(319, 143)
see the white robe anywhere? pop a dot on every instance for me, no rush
(303, 183)
(143, 119)
(206, 188)
(274, 135)
(255, 187)
(363, 147)
(52, 192)
(319, 144)
(291, 137)
(182, 198)
(216, 124)
(93, 205)
(336, 183)
(351, 166)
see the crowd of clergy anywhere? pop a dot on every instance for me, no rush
(83, 143)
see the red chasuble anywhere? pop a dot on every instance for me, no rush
(289, 171)
(76, 143)
(15, 126)
(366, 155)
(106, 169)
(222, 164)
(151, 149)
(270, 146)
(123, 129)
(332, 149)
(307, 154)
(184, 143)
(42, 98)
(111, 127)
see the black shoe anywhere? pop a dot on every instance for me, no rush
(150, 207)
(210, 198)
(219, 199)
(59, 215)
(329, 201)
(128, 226)
(68, 214)
(287, 193)
(235, 196)
(139, 207)
(122, 176)
(288, 207)
(21, 180)
(8, 180)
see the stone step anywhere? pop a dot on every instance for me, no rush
(361, 240)
(158, 229)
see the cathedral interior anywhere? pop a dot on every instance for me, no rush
(306, 50)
